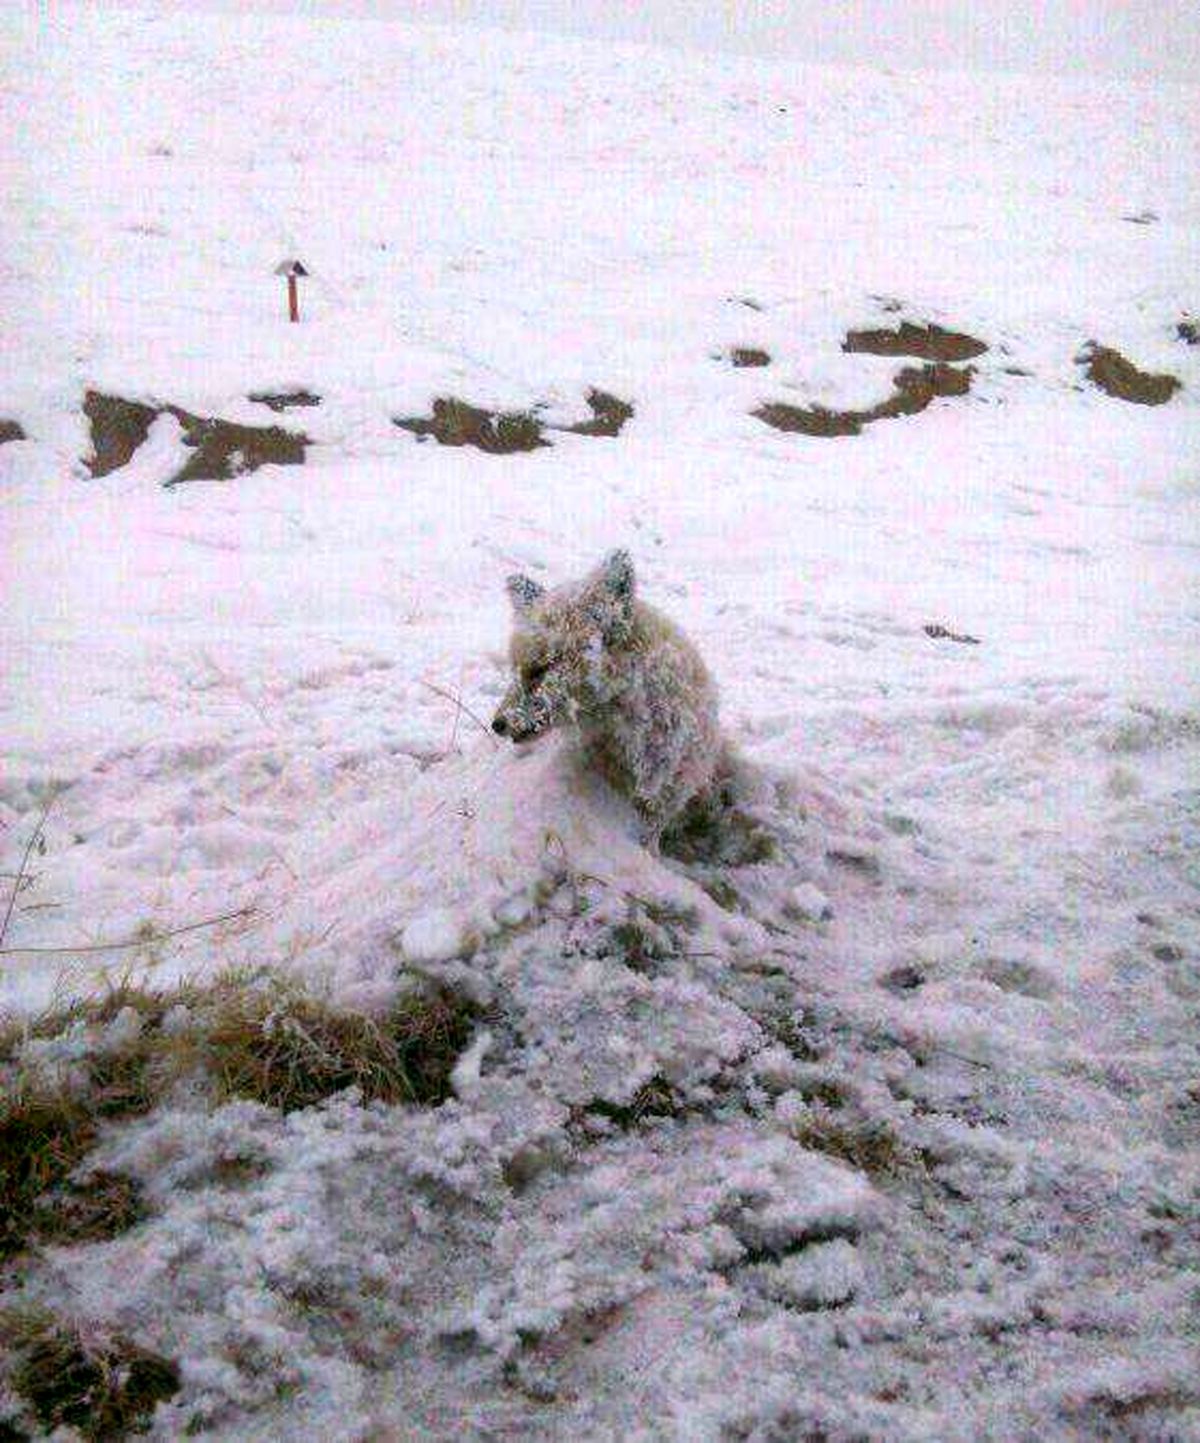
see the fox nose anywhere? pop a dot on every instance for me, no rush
(500, 726)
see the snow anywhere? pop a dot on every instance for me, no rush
(899, 1138)
(810, 903)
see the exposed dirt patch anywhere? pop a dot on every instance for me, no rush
(221, 449)
(915, 389)
(118, 428)
(11, 431)
(285, 400)
(917, 386)
(902, 979)
(1118, 377)
(609, 414)
(810, 420)
(927, 343)
(502, 433)
(1188, 331)
(455, 423)
(744, 356)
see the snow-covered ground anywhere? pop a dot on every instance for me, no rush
(239, 697)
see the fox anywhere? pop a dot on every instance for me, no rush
(590, 653)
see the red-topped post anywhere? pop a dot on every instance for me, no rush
(291, 269)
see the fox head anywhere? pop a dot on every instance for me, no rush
(560, 639)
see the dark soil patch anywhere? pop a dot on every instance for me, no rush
(904, 978)
(1188, 331)
(106, 1390)
(915, 389)
(498, 433)
(1168, 952)
(1118, 377)
(744, 356)
(927, 343)
(285, 400)
(221, 449)
(810, 420)
(11, 431)
(503, 433)
(609, 414)
(866, 864)
(118, 428)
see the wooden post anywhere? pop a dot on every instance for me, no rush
(292, 270)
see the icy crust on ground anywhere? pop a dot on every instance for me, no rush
(711, 1170)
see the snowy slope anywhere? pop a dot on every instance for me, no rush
(237, 695)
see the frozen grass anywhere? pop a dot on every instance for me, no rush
(290, 1049)
(867, 1144)
(271, 1041)
(106, 1387)
(655, 1098)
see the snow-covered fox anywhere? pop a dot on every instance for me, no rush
(589, 652)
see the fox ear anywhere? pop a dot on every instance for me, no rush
(617, 574)
(523, 591)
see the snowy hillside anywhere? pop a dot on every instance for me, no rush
(878, 1119)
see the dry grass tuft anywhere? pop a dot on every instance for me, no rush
(290, 1049)
(867, 1144)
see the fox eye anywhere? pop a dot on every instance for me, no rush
(534, 674)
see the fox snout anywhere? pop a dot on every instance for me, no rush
(503, 727)
(521, 717)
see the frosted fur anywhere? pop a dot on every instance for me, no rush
(589, 652)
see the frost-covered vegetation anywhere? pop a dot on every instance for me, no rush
(366, 1076)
